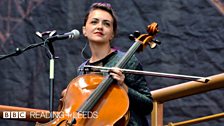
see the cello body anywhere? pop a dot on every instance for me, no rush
(108, 111)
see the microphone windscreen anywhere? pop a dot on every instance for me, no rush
(75, 34)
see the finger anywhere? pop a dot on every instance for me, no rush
(115, 76)
(120, 79)
(117, 71)
(118, 75)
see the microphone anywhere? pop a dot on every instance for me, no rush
(74, 34)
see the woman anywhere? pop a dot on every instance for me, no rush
(99, 28)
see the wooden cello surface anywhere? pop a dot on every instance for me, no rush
(111, 107)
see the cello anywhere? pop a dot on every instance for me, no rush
(94, 100)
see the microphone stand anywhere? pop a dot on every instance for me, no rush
(51, 78)
(50, 50)
(19, 51)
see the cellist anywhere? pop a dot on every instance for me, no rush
(99, 28)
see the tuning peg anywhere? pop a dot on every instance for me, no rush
(137, 34)
(152, 45)
(131, 37)
(156, 41)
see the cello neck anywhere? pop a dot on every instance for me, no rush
(128, 55)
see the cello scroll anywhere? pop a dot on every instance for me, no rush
(146, 39)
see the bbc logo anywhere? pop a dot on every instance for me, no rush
(14, 114)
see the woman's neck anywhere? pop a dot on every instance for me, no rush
(99, 51)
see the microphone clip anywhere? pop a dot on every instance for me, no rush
(46, 34)
(44, 37)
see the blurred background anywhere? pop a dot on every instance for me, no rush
(191, 32)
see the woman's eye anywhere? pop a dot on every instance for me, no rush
(93, 22)
(107, 24)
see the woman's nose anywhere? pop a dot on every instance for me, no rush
(100, 26)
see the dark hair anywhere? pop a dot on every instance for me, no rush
(106, 7)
